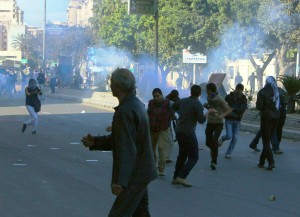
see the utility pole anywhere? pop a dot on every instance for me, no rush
(44, 33)
(156, 38)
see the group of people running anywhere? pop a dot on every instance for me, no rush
(228, 110)
(141, 138)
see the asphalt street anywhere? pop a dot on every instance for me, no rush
(52, 174)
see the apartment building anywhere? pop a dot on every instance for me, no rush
(11, 25)
(79, 12)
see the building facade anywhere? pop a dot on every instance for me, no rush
(11, 25)
(79, 12)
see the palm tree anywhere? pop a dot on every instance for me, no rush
(292, 86)
(22, 42)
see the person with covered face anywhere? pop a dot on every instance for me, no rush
(160, 115)
(237, 101)
(33, 105)
(268, 103)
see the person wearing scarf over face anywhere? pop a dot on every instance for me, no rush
(33, 105)
(268, 103)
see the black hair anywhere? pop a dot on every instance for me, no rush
(196, 90)
(239, 86)
(156, 90)
(212, 87)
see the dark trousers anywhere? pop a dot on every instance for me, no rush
(267, 127)
(188, 154)
(213, 132)
(132, 202)
(276, 136)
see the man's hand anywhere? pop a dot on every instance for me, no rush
(88, 140)
(108, 129)
(116, 189)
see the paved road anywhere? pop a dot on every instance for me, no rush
(52, 174)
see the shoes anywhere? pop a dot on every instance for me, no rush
(220, 141)
(181, 181)
(260, 165)
(227, 156)
(254, 148)
(169, 161)
(24, 128)
(270, 167)
(161, 173)
(213, 166)
(34, 132)
(278, 151)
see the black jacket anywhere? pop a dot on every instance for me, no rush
(265, 104)
(238, 105)
(133, 159)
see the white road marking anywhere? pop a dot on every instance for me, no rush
(74, 143)
(31, 145)
(91, 160)
(19, 164)
(55, 148)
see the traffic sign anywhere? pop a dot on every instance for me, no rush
(193, 58)
(141, 7)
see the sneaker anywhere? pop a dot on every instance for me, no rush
(270, 167)
(161, 173)
(260, 165)
(254, 148)
(169, 161)
(220, 141)
(278, 151)
(180, 181)
(227, 156)
(213, 166)
(24, 128)
(34, 132)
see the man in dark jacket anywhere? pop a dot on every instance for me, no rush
(277, 135)
(190, 111)
(268, 103)
(133, 159)
(237, 101)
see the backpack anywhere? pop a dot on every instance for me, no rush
(41, 78)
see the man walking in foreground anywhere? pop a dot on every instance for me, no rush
(133, 160)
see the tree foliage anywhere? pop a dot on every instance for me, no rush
(234, 29)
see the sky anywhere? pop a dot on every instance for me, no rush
(34, 11)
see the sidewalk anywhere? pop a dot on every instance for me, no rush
(105, 100)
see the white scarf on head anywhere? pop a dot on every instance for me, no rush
(271, 80)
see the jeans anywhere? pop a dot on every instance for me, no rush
(213, 132)
(188, 154)
(132, 202)
(232, 132)
(33, 117)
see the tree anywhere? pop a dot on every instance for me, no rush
(292, 86)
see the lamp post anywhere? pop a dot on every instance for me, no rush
(44, 32)
(156, 38)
